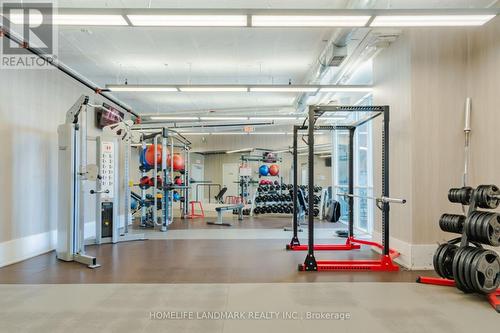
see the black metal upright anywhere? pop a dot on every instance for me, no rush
(385, 181)
(295, 237)
(351, 181)
(310, 262)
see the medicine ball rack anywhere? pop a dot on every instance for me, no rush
(162, 181)
(385, 262)
(470, 269)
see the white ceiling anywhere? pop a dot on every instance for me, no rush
(192, 55)
(208, 55)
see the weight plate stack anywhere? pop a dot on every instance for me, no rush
(443, 259)
(486, 196)
(484, 227)
(484, 271)
(457, 267)
(452, 223)
(460, 195)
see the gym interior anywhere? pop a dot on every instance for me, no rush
(249, 166)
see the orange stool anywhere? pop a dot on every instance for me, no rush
(192, 214)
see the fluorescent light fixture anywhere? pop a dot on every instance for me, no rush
(430, 20)
(324, 156)
(243, 150)
(189, 20)
(224, 118)
(213, 89)
(172, 118)
(346, 89)
(141, 88)
(36, 18)
(284, 89)
(309, 20)
(236, 133)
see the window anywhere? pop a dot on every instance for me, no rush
(363, 172)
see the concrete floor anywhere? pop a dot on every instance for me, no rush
(221, 270)
(369, 307)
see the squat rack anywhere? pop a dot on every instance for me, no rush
(385, 262)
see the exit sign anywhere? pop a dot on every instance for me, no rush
(248, 129)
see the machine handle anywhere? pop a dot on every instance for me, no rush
(94, 192)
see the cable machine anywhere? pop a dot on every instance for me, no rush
(385, 262)
(110, 175)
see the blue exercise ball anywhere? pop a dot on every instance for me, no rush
(264, 170)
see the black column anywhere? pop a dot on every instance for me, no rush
(351, 182)
(310, 261)
(295, 238)
(385, 181)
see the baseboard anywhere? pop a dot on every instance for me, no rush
(413, 256)
(27, 247)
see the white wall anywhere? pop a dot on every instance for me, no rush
(32, 104)
(425, 77)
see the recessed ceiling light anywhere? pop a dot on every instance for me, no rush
(189, 20)
(430, 20)
(309, 20)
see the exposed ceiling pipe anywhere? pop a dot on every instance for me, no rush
(338, 43)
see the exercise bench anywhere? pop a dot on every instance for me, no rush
(220, 210)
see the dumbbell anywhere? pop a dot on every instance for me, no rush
(315, 212)
(256, 210)
(274, 209)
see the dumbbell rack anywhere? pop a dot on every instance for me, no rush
(461, 226)
(258, 193)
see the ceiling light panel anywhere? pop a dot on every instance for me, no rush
(223, 118)
(188, 20)
(72, 19)
(213, 89)
(283, 89)
(309, 20)
(347, 89)
(430, 20)
(140, 88)
(173, 118)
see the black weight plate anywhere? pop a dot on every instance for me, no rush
(454, 266)
(456, 276)
(461, 267)
(474, 263)
(479, 227)
(468, 267)
(486, 273)
(476, 227)
(491, 229)
(472, 224)
(448, 256)
(437, 258)
(468, 223)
